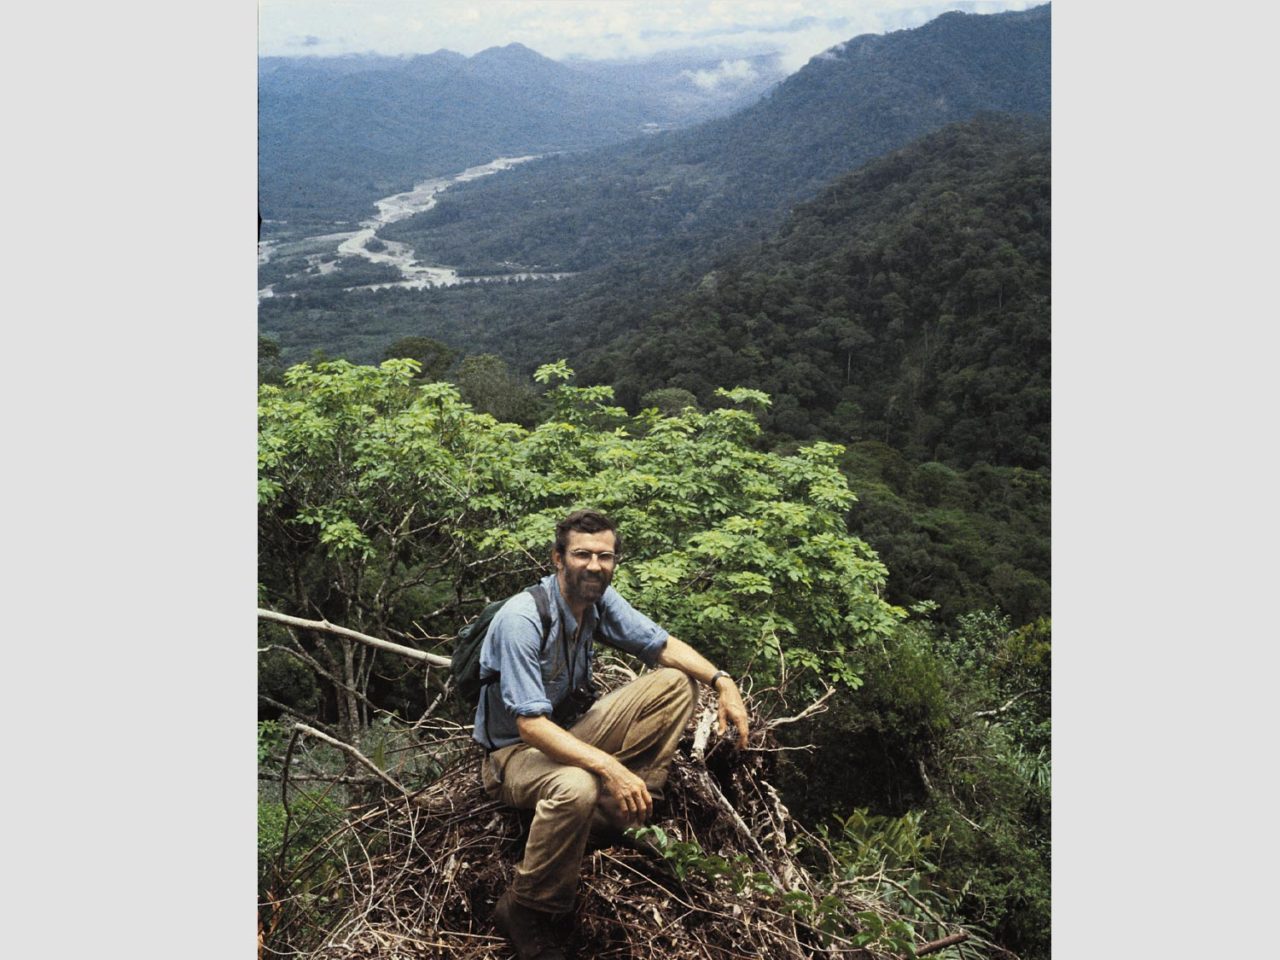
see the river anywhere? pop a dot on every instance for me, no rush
(416, 276)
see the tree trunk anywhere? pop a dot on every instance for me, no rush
(349, 711)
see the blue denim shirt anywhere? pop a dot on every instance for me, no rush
(531, 684)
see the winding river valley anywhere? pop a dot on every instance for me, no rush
(415, 275)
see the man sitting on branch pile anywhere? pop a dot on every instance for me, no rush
(576, 763)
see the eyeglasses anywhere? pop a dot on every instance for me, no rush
(606, 557)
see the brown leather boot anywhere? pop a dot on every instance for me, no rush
(531, 932)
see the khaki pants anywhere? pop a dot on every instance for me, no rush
(640, 724)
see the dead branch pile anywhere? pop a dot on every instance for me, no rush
(420, 876)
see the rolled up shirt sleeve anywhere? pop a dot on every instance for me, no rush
(514, 642)
(623, 626)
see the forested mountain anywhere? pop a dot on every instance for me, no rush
(686, 194)
(337, 133)
(903, 312)
(907, 303)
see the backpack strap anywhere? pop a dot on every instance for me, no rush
(544, 612)
(544, 615)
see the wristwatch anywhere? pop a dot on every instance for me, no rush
(716, 676)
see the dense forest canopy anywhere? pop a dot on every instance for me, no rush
(907, 303)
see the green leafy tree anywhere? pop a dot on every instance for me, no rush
(366, 491)
(953, 728)
(395, 509)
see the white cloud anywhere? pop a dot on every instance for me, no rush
(796, 29)
(728, 73)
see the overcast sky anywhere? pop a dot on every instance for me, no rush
(585, 28)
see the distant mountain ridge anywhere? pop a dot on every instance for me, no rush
(877, 92)
(698, 188)
(336, 133)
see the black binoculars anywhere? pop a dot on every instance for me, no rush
(577, 703)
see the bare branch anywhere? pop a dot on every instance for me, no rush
(318, 778)
(818, 706)
(702, 733)
(713, 793)
(924, 776)
(353, 753)
(284, 798)
(932, 916)
(337, 682)
(286, 709)
(431, 708)
(942, 944)
(1011, 701)
(325, 625)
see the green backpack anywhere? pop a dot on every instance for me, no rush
(465, 662)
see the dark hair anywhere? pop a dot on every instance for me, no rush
(586, 521)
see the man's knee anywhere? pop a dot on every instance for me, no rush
(575, 789)
(678, 683)
(675, 695)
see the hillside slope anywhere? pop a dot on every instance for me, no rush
(907, 303)
(336, 133)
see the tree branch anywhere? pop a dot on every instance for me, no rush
(924, 776)
(932, 916)
(353, 753)
(284, 798)
(712, 790)
(701, 734)
(818, 706)
(942, 944)
(286, 709)
(1011, 701)
(336, 681)
(431, 658)
(318, 778)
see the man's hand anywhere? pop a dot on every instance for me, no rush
(627, 801)
(732, 710)
(623, 796)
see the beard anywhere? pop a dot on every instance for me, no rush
(585, 586)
